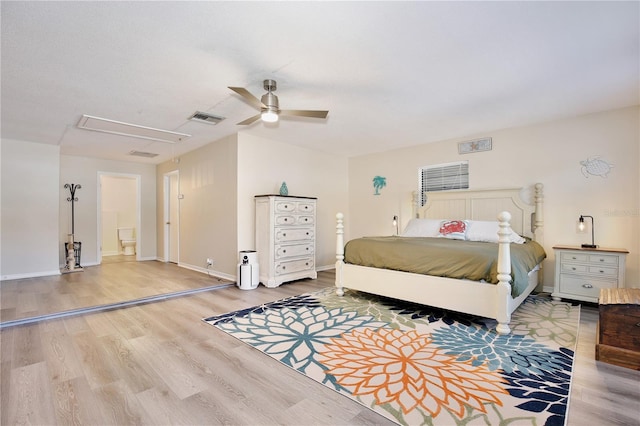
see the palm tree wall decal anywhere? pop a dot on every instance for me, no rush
(379, 182)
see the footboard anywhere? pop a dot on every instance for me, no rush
(482, 299)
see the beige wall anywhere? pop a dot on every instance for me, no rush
(207, 209)
(219, 182)
(549, 153)
(263, 165)
(29, 242)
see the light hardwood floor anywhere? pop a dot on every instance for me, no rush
(117, 279)
(159, 363)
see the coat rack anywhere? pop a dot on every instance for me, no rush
(73, 258)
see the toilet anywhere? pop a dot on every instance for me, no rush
(127, 240)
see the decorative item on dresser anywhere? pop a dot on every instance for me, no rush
(285, 238)
(582, 272)
(619, 327)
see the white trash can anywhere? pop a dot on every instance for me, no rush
(248, 270)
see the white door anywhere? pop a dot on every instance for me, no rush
(172, 221)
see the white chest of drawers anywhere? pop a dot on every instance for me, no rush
(582, 272)
(285, 238)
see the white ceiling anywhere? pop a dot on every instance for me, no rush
(391, 74)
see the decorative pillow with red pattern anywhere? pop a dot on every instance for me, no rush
(453, 229)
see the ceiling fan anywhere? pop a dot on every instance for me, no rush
(269, 107)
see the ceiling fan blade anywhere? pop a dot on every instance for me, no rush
(304, 113)
(250, 120)
(248, 96)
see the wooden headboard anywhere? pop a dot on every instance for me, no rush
(486, 204)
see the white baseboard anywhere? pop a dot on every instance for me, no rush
(325, 268)
(29, 275)
(210, 272)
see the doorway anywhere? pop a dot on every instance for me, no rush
(172, 217)
(118, 207)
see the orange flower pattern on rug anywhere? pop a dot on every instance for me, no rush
(404, 367)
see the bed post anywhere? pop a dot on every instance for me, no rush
(538, 217)
(503, 287)
(339, 253)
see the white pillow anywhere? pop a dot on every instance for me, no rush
(422, 228)
(487, 231)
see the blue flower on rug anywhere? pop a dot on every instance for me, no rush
(507, 352)
(544, 392)
(294, 336)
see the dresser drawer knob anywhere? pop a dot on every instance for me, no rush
(601, 271)
(601, 260)
(587, 286)
(638, 324)
(574, 268)
(284, 251)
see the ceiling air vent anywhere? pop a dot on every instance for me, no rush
(143, 154)
(206, 118)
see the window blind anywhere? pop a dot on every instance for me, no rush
(442, 177)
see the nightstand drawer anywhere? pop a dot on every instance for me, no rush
(602, 271)
(574, 268)
(574, 257)
(603, 259)
(584, 286)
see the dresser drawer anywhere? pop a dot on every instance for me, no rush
(293, 266)
(285, 206)
(584, 286)
(293, 250)
(285, 219)
(293, 219)
(295, 234)
(305, 207)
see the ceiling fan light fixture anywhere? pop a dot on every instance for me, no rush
(269, 116)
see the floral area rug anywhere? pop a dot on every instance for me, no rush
(420, 365)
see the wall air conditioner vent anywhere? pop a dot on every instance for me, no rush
(206, 118)
(143, 154)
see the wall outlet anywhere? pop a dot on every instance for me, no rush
(209, 261)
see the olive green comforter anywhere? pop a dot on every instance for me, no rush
(471, 260)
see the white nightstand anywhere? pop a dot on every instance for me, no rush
(582, 272)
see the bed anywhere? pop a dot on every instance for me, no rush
(517, 209)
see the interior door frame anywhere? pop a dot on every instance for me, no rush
(168, 198)
(138, 179)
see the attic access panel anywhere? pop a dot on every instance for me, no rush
(88, 122)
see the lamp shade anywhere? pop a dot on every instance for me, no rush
(581, 226)
(269, 116)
